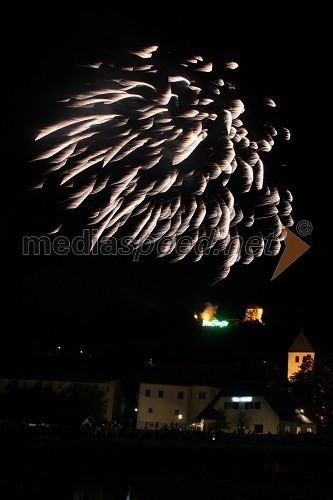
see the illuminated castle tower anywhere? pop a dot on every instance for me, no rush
(297, 353)
(253, 313)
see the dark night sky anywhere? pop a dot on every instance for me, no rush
(84, 299)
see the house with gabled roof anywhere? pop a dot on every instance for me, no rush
(251, 396)
(252, 407)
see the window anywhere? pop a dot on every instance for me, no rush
(258, 428)
(150, 410)
(254, 405)
(305, 358)
(180, 395)
(202, 395)
(231, 406)
(160, 394)
(176, 412)
(297, 359)
(147, 393)
(107, 389)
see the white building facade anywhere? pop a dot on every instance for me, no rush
(162, 404)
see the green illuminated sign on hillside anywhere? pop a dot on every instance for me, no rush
(215, 322)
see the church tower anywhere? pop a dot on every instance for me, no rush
(297, 353)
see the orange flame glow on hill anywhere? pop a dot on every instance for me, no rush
(208, 313)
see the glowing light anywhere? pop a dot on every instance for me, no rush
(208, 313)
(215, 322)
(254, 313)
(135, 409)
(180, 416)
(242, 399)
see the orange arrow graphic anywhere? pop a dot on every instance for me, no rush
(295, 247)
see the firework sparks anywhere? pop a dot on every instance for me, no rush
(153, 155)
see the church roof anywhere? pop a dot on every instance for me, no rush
(301, 344)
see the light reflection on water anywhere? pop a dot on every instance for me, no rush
(139, 492)
(112, 489)
(115, 489)
(102, 493)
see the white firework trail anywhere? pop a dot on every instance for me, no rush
(149, 154)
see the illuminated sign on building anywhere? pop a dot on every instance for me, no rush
(214, 322)
(242, 399)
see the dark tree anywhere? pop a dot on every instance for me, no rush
(314, 381)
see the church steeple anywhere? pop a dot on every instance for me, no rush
(298, 351)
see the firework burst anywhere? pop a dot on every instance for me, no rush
(156, 150)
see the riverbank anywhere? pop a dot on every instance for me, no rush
(182, 469)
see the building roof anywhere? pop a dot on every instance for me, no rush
(209, 413)
(188, 374)
(227, 375)
(301, 344)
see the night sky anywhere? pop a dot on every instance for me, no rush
(91, 300)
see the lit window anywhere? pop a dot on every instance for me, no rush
(202, 395)
(150, 410)
(180, 395)
(297, 359)
(231, 406)
(160, 394)
(147, 393)
(254, 405)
